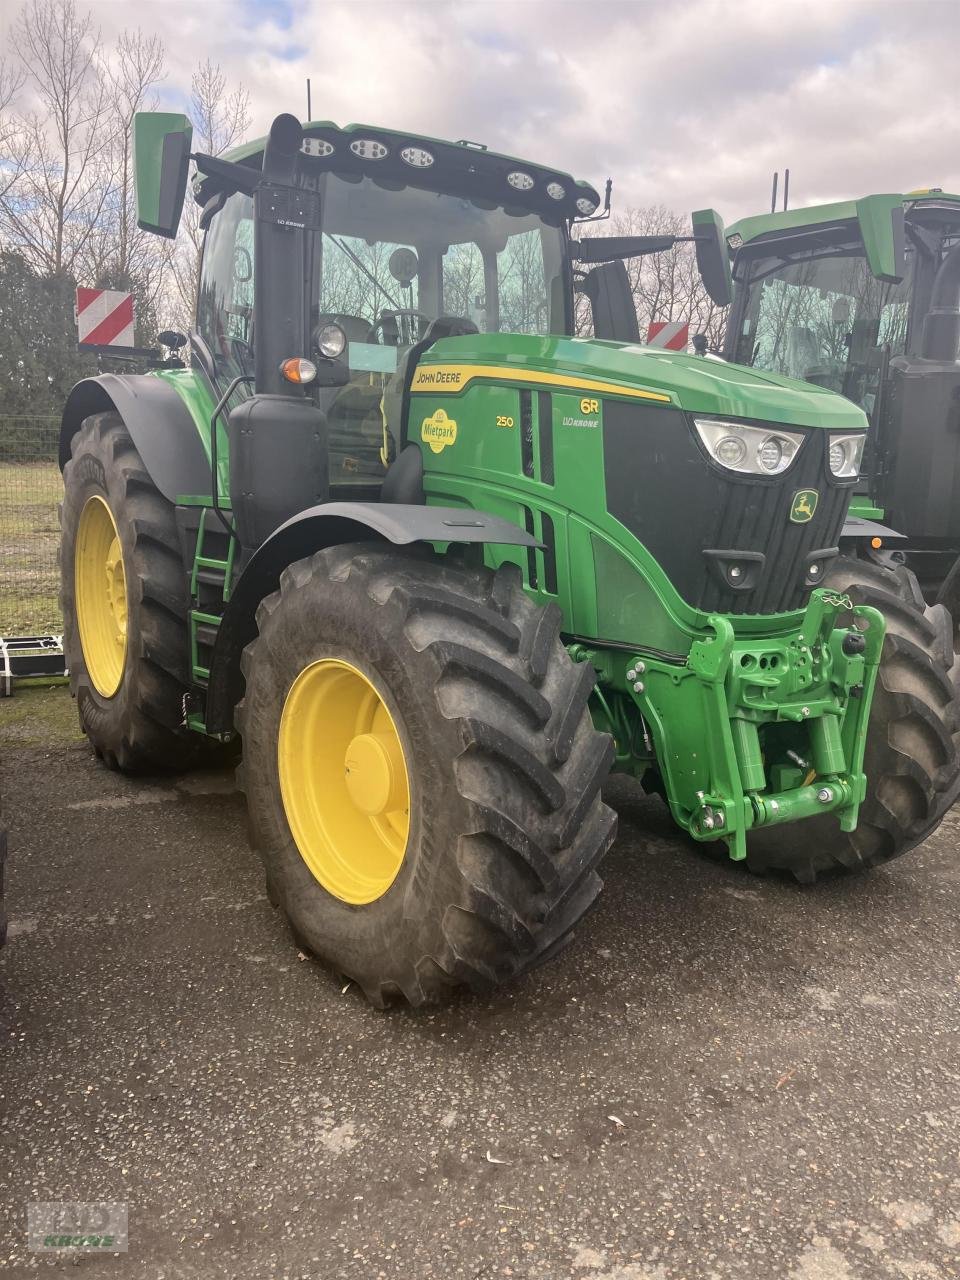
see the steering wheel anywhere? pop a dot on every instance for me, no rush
(406, 313)
(242, 353)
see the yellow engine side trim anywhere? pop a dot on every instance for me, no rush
(451, 378)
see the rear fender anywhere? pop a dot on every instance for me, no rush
(159, 422)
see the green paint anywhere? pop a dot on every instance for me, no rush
(157, 210)
(692, 383)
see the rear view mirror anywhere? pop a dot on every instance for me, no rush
(161, 157)
(884, 240)
(611, 302)
(712, 257)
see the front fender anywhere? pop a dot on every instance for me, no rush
(159, 422)
(328, 525)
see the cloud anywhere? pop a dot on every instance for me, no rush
(685, 104)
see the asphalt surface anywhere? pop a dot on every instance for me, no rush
(722, 1077)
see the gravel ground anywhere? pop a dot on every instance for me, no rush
(722, 1077)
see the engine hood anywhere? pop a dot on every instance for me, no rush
(688, 382)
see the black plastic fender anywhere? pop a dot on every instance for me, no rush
(159, 423)
(328, 525)
(858, 527)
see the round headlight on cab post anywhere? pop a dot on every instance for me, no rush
(298, 370)
(331, 341)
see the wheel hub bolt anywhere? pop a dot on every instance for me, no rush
(638, 687)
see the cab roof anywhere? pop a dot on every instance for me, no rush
(768, 224)
(462, 167)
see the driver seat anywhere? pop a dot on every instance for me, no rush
(402, 483)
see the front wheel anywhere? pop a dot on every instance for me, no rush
(911, 758)
(421, 771)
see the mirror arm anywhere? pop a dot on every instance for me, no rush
(238, 176)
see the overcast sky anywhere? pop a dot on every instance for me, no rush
(685, 102)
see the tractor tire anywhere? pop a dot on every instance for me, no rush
(125, 599)
(911, 758)
(483, 860)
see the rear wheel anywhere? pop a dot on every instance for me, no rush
(125, 603)
(911, 758)
(421, 771)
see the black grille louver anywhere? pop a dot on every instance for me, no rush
(690, 513)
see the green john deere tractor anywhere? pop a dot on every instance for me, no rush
(443, 565)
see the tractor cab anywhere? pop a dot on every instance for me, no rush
(355, 249)
(390, 265)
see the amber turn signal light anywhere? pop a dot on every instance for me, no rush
(298, 370)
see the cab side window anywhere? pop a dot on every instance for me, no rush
(225, 298)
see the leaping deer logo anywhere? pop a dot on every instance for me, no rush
(804, 505)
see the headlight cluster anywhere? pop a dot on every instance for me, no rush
(767, 451)
(757, 451)
(845, 452)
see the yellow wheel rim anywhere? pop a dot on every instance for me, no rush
(101, 593)
(343, 780)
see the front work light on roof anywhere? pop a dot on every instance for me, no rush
(369, 149)
(520, 181)
(417, 157)
(555, 191)
(585, 206)
(317, 147)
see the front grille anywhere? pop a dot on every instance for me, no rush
(693, 516)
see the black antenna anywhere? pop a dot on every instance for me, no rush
(773, 195)
(786, 188)
(309, 113)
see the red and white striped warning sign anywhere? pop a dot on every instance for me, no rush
(670, 334)
(104, 318)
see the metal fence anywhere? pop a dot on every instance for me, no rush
(30, 493)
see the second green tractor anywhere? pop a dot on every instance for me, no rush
(442, 565)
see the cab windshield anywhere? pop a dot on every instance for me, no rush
(415, 255)
(823, 319)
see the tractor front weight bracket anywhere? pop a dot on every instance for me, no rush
(754, 731)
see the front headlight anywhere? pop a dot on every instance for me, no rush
(757, 451)
(845, 452)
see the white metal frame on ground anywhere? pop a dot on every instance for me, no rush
(29, 657)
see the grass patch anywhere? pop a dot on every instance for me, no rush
(29, 545)
(38, 715)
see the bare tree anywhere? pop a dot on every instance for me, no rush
(11, 82)
(220, 120)
(51, 210)
(666, 286)
(138, 65)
